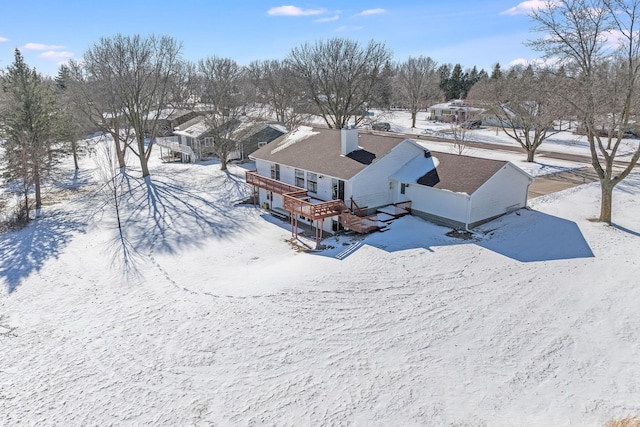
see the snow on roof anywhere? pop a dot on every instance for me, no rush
(193, 128)
(415, 169)
(455, 106)
(300, 134)
(279, 127)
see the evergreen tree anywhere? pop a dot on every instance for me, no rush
(445, 73)
(30, 121)
(456, 83)
(471, 78)
(496, 73)
(62, 78)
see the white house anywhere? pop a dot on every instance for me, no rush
(194, 139)
(312, 175)
(453, 112)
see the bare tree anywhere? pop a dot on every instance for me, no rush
(341, 76)
(524, 107)
(113, 189)
(224, 93)
(577, 33)
(90, 87)
(75, 124)
(460, 142)
(278, 87)
(138, 77)
(417, 83)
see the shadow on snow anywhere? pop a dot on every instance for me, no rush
(524, 236)
(25, 251)
(163, 213)
(535, 236)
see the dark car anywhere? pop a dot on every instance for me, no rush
(381, 126)
(471, 124)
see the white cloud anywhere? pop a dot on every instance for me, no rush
(328, 19)
(294, 11)
(3, 39)
(371, 12)
(525, 7)
(519, 61)
(54, 55)
(346, 28)
(536, 62)
(40, 46)
(614, 38)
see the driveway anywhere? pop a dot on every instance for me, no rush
(561, 181)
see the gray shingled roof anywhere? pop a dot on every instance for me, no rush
(320, 153)
(464, 174)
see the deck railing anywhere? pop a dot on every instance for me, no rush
(360, 224)
(297, 201)
(173, 143)
(301, 204)
(272, 185)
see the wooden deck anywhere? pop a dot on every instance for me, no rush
(272, 185)
(298, 202)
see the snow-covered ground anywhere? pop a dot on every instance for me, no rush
(564, 141)
(210, 314)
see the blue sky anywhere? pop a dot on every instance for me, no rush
(468, 32)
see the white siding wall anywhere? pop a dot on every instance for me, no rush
(287, 175)
(324, 188)
(506, 189)
(371, 187)
(263, 168)
(441, 203)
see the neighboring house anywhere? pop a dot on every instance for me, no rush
(170, 119)
(198, 136)
(312, 175)
(453, 112)
(252, 135)
(194, 139)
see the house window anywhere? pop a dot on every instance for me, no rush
(403, 186)
(299, 178)
(312, 182)
(208, 141)
(275, 171)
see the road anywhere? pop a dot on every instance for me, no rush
(543, 184)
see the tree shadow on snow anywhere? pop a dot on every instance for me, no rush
(25, 251)
(163, 214)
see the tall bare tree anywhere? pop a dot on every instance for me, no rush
(135, 78)
(74, 124)
(417, 83)
(224, 93)
(278, 88)
(523, 104)
(578, 33)
(90, 89)
(341, 76)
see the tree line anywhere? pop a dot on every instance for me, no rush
(124, 85)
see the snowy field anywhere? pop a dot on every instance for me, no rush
(210, 315)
